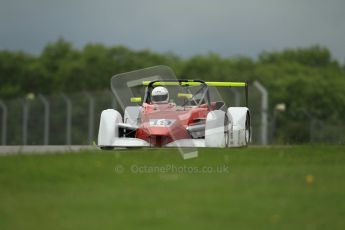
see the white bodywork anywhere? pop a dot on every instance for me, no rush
(131, 115)
(222, 129)
(108, 127)
(108, 135)
(216, 129)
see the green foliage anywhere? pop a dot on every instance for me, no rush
(303, 78)
(314, 56)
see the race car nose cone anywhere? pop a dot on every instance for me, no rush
(161, 131)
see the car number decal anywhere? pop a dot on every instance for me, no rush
(161, 122)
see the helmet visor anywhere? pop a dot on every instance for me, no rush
(159, 98)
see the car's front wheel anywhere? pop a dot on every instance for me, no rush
(107, 148)
(218, 129)
(247, 134)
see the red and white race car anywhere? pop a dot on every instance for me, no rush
(160, 110)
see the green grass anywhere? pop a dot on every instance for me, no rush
(299, 187)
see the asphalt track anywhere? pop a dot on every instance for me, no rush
(42, 149)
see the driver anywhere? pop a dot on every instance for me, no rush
(160, 95)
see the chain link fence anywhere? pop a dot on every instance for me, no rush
(73, 119)
(63, 119)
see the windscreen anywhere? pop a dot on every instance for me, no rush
(130, 85)
(179, 95)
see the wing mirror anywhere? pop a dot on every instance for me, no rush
(136, 99)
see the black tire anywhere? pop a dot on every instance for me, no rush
(107, 148)
(248, 130)
(226, 131)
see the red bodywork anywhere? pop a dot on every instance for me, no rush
(165, 123)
